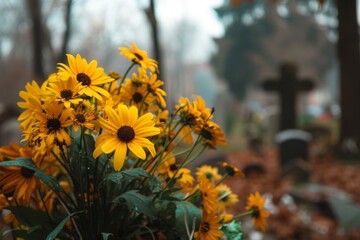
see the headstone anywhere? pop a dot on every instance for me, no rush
(293, 151)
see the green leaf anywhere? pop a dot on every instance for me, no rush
(171, 194)
(105, 236)
(232, 230)
(127, 175)
(186, 215)
(167, 218)
(77, 150)
(137, 202)
(60, 226)
(29, 164)
(28, 216)
(155, 184)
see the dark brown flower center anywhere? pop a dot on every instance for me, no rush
(255, 212)
(126, 134)
(80, 118)
(205, 227)
(26, 173)
(84, 79)
(137, 97)
(173, 167)
(206, 134)
(230, 170)
(53, 124)
(139, 57)
(66, 93)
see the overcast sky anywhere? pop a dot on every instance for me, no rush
(134, 25)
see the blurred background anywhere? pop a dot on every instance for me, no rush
(283, 76)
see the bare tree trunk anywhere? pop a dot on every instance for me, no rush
(349, 63)
(150, 12)
(34, 9)
(66, 37)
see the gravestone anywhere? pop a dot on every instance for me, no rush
(294, 153)
(293, 143)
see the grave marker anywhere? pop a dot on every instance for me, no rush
(288, 85)
(293, 143)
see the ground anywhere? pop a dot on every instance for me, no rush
(302, 215)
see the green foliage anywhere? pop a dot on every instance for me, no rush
(127, 175)
(60, 226)
(232, 230)
(188, 218)
(137, 202)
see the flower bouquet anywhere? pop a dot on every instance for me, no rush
(102, 158)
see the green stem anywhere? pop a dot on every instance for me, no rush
(222, 179)
(103, 168)
(244, 214)
(142, 101)
(123, 78)
(42, 200)
(161, 152)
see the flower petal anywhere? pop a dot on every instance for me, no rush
(119, 158)
(137, 150)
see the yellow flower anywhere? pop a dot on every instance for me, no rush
(154, 86)
(139, 56)
(52, 121)
(20, 181)
(169, 168)
(189, 117)
(88, 74)
(209, 172)
(161, 119)
(13, 151)
(231, 170)
(125, 130)
(115, 75)
(32, 102)
(83, 117)
(259, 214)
(209, 195)
(209, 227)
(66, 92)
(200, 105)
(136, 94)
(211, 134)
(226, 197)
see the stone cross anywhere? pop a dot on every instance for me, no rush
(288, 85)
(293, 143)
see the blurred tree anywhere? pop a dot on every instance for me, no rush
(257, 40)
(34, 9)
(150, 13)
(41, 35)
(349, 62)
(66, 36)
(238, 48)
(347, 51)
